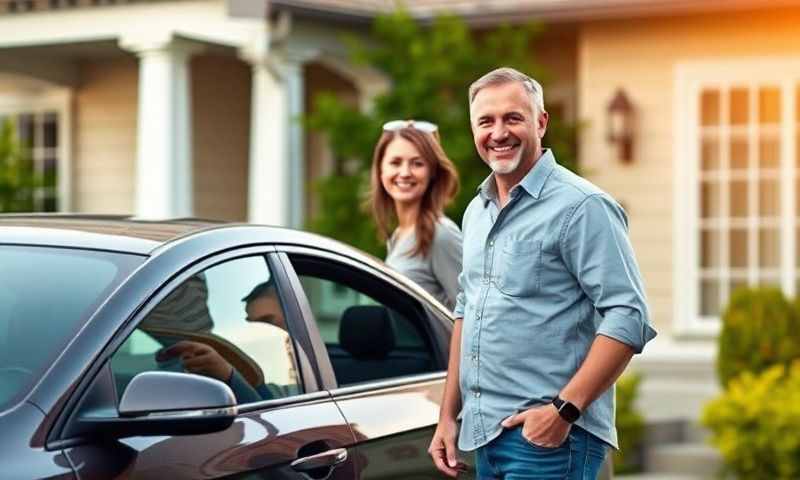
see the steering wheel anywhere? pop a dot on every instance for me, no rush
(249, 369)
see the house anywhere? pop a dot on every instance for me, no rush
(189, 107)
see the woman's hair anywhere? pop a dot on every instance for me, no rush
(442, 187)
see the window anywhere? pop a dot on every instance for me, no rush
(741, 141)
(226, 322)
(371, 330)
(38, 134)
(43, 303)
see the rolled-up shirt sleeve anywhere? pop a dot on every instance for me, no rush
(596, 249)
(458, 310)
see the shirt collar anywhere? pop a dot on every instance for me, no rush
(533, 182)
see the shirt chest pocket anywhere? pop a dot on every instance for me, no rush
(519, 267)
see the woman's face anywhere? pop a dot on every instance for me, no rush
(405, 175)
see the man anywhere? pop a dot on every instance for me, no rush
(551, 307)
(263, 305)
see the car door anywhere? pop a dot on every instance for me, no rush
(235, 319)
(387, 349)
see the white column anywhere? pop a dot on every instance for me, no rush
(295, 87)
(277, 155)
(164, 145)
(268, 199)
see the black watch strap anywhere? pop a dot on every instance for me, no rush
(566, 410)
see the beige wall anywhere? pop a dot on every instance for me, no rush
(556, 50)
(105, 136)
(221, 125)
(640, 56)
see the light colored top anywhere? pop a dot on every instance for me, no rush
(542, 277)
(437, 272)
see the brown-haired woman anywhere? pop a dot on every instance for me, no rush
(412, 181)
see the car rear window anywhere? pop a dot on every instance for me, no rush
(46, 296)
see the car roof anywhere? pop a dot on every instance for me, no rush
(128, 234)
(122, 233)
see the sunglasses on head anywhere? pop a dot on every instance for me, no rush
(420, 125)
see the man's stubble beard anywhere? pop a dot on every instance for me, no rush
(505, 167)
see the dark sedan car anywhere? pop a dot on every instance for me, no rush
(188, 349)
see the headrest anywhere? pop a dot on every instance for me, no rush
(366, 332)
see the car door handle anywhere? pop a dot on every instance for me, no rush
(331, 458)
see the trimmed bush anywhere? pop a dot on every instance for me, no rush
(760, 328)
(630, 425)
(755, 424)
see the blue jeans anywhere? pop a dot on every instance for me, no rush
(511, 457)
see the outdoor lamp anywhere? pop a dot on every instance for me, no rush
(620, 125)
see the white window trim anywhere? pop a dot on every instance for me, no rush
(57, 99)
(690, 78)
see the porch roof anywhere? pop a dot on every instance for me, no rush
(476, 12)
(479, 12)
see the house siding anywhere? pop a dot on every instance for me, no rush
(640, 56)
(221, 142)
(105, 136)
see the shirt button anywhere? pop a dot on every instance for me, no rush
(491, 244)
(477, 394)
(475, 358)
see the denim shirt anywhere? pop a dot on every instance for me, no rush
(541, 278)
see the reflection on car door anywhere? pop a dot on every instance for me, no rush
(390, 395)
(261, 444)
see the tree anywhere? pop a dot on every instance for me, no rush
(430, 68)
(18, 180)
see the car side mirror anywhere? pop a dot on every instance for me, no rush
(166, 403)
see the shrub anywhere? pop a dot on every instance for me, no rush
(630, 425)
(17, 177)
(760, 329)
(755, 424)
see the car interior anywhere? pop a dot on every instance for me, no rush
(371, 330)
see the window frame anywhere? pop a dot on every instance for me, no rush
(434, 335)
(691, 78)
(59, 100)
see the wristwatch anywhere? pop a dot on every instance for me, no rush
(566, 410)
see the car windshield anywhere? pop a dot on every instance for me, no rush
(46, 296)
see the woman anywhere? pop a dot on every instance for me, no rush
(412, 181)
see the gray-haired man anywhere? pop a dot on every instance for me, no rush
(551, 307)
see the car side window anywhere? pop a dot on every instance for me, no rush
(372, 330)
(226, 322)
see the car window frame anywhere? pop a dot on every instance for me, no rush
(438, 345)
(297, 331)
(312, 387)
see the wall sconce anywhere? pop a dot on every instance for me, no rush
(620, 125)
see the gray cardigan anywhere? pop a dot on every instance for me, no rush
(437, 272)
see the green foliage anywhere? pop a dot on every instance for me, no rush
(630, 425)
(755, 424)
(760, 328)
(17, 177)
(430, 69)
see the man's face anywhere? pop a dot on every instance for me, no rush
(506, 129)
(266, 308)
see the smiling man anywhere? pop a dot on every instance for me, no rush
(551, 305)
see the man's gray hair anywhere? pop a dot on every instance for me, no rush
(504, 75)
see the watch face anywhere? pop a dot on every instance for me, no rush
(569, 412)
(566, 410)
